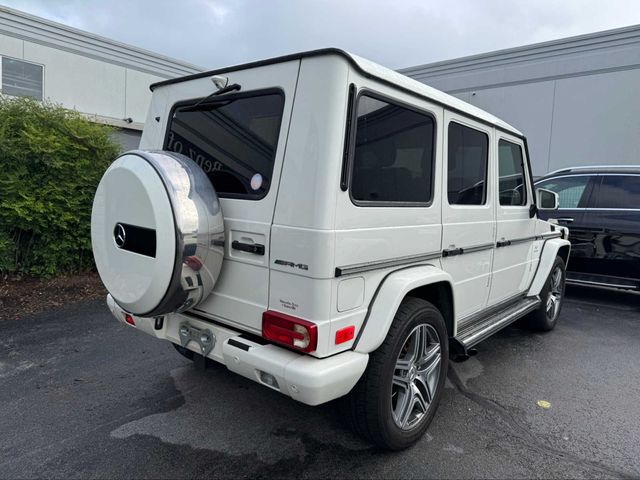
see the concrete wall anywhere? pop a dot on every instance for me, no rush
(576, 99)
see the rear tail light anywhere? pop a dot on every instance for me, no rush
(290, 331)
(129, 319)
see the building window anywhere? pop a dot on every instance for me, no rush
(393, 155)
(21, 79)
(467, 170)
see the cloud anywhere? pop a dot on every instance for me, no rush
(214, 33)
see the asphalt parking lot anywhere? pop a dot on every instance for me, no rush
(83, 396)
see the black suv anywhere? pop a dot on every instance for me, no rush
(601, 207)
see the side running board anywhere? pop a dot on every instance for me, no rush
(476, 332)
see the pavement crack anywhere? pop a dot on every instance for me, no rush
(521, 430)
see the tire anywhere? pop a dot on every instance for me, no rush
(545, 318)
(375, 404)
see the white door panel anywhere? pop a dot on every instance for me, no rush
(512, 261)
(467, 227)
(372, 232)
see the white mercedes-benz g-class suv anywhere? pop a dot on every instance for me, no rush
(328, 228)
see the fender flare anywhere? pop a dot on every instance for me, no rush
(386, 301)
(549, 253)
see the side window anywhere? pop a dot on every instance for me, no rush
(468, 155)
(512, 184)
(393, 156)
(619, 191)
(569, 189)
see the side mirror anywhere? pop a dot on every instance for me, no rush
(546, 199)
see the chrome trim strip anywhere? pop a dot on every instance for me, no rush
(546, 236)
(528, 304)
(478, 248)
(475, 317)
(613, 209)
(522, 240)
(515, 241)
(366, 267)
(600, 284)
(546, 178)
(589, 167)
(378, 265)
(615, 174)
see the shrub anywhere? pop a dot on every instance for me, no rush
(51, 161)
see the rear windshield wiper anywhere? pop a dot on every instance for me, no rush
(229, 88)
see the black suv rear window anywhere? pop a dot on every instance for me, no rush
(233, 140)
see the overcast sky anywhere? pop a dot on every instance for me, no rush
(215, 33)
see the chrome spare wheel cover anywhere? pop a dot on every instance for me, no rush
(416, 376)
(157, 232)
(554, 300)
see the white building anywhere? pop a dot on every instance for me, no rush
(104, 79)
(577, 99)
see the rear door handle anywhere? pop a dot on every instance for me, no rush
(256, 248)
(565, 220)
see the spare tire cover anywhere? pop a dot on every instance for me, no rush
(157, 232)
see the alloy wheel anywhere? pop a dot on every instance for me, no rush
(554, 298)
(415, 376)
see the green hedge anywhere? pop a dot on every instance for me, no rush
(51, 160)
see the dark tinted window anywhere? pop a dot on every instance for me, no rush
(234, 141)
(21, 79)
(569, 189)
(467, 165)
(393, 157)
(511, 187)
(618, 191)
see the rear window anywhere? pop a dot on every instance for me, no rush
(619, 191)
(233, 140)
(393, 156)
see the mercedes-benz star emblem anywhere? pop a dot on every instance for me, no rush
(119, 235)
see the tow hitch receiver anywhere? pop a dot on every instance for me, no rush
(203, 337)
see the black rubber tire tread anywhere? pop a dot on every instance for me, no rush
(537, 320)
(366, 404)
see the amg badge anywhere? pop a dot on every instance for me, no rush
(286, 263)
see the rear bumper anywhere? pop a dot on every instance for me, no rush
(304, 378)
